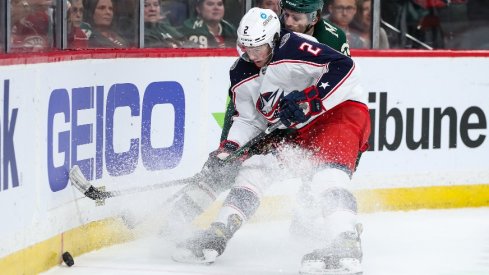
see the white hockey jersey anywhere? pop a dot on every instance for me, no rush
(297, 63)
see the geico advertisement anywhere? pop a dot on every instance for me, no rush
(124, 122)
(117, 147)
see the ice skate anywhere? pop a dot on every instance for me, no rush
(207, 245)
(342, 257)
(204, 247)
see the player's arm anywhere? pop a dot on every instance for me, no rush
(334, 83)
(247, 123)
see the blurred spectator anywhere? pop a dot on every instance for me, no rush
(78, 31)
(19, 9)
(362, 24)
(269, 4)
(475, 35)
(429, 26)
(341, 13)
(158, 33)
(433, 24)
(2, 28)
(127, 20)
(402, 19)
(478, 11)
(234, 11)
(209, 29)
(174, 11)
(100, 15)
(453, 22)
(32, 25)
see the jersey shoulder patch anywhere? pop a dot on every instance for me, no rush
(284, 40)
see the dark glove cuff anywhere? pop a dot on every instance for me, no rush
(228, 146)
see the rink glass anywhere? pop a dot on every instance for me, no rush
(411, 24)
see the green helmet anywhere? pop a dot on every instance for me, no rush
(302, 6)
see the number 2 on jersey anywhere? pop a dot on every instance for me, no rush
(310, 48)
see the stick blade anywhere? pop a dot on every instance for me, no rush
(83, 185)
(78, 180)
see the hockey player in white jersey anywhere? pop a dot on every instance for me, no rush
(314, 92)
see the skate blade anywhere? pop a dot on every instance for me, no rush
(348, 267)
(183, 255)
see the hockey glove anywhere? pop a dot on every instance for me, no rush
(299, 106)
(217, 170)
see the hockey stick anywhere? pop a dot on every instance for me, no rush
(83, 185)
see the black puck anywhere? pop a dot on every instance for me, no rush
(68, 259)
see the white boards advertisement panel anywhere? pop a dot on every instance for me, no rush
(138, 121)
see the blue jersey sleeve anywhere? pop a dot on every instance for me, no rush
(242, 70)
(293, 48)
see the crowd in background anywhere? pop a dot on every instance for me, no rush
(428, 24)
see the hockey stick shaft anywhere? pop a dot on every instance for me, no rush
(243, 149)
(81, 183)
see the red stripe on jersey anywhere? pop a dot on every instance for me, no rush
(297, 62)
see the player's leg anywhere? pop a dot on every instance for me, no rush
(339, 250)
(337, 138)
(199, 196)
(194, 201)
(256, 174)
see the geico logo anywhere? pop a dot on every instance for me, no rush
(424, 128)
(94, 131)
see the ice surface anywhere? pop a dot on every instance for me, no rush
(424, 242)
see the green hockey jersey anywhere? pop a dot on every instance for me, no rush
(328, 33)
(197, 32)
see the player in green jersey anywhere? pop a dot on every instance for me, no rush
(208, 29)
(304, 16)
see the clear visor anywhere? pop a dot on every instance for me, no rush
(242, 53)
(245, 52)
(253, 50)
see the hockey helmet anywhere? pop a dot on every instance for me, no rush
(302, 6)
(258, 27)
